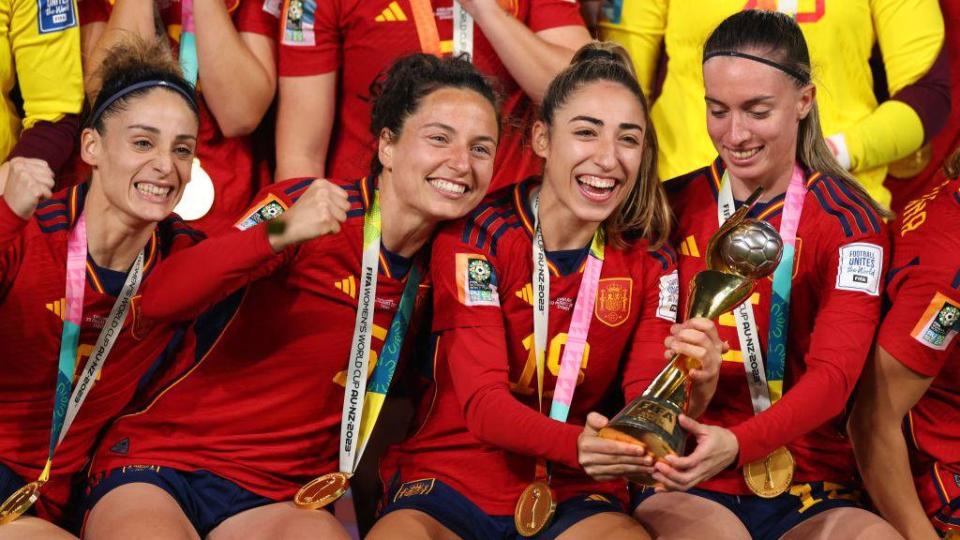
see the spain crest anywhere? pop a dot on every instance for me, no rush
(613, 300)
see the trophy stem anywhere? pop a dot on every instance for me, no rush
(670, 378)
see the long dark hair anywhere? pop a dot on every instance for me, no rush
(777, 37)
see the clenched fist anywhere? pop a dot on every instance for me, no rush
(319, 211)
(28, 181)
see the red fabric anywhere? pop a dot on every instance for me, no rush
(33, 268)
(830, 330)
(484, 412)
(904, 190)
(348, 34)
(926, 263)
(52, 142)
(260, 404)
(234, 164)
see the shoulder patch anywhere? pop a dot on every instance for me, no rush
(56, 15)
(938, 324)
(298, 17)
(860, 268)
(270, 207)
(476, 281)
(669, 302)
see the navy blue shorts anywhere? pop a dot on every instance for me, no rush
(465, 519)
(205, 498)
(10, 482)
(769, 519)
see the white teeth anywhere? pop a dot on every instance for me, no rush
(597, 182)
(150, 189)
(744, 154)
(449, 187)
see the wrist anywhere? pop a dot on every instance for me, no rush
(487, 13)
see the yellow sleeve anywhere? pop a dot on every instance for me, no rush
(45, 39)
(639, 26)
(910, 34)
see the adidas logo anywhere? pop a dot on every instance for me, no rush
(689, 247)
(58, 307)
(348, 286)
(392, 13)
(122, 447)
(526, 293)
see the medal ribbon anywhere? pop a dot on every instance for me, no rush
(66, 406)
(766, 384)
(188, 43)
(362, 404)
(429, 35)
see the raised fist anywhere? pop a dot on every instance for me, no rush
(319, 211)
(28, 181)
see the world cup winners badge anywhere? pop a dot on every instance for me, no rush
(476, 281)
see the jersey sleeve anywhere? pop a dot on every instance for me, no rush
(661, 290)
(92, 11)
(311, 39)
(11, 231)
(258, 17)
(547, 14)
(911, 36)
(638, 25)
(849, 311)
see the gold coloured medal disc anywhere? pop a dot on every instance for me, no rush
(322, 491)
(770, 476)
(535, 509)
(18, 503)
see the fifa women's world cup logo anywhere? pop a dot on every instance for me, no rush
(741, 252)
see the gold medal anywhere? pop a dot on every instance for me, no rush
(770, 476)
(21, 501)
(322, 491)
(535, 509)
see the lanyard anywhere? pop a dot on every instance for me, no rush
(766, 385)
(188, 43)
(429, 35)
(65, 408)
(362, 404)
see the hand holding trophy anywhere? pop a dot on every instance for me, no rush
(741, 252)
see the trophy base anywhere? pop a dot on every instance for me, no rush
(650, 422)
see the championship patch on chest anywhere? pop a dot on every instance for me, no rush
(298, 17)
(669, 301)
(55, 15)
(271, 207)
(939, 323)
(476, 281)
(860, 268)
(612, 307)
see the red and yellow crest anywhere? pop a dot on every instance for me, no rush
(613, 300)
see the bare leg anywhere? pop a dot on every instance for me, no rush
(33, 528)
(135, 511)
(682, 516)
(843, 523)
(280, 521)
(409, 525)
(607, 525)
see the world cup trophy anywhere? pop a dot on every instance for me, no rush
(741, 252)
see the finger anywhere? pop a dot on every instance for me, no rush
(596, 421)
(694, 336)
(607, 447)
(706, 326)
(692, 351)
(45, 194)
(665, 483)
(339, 214)
(618, 471)
(675, 479)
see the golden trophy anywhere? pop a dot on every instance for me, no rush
(741, 252)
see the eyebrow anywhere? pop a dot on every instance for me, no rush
(598, 122)
(450, 129)
(746, 104)
(156, 131)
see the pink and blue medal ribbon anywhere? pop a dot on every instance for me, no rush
(188, 43)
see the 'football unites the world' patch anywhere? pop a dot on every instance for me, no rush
(669, 297)
(860, 268)
(476, 281)
(939, 323)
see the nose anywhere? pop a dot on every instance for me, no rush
(605, 155)
(459, 159)
(163, 163)
(737, 132)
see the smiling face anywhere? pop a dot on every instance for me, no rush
(593, 150)
(441, 163)
(141, 162)
(753, 116)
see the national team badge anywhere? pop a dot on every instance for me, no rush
(269, 208)
(476, 281)
(939, 323)
(613, 300)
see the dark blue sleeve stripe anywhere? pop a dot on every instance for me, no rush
(298, 186)
(956, 281)
(55, 228)
(858, 200)
(501, 230)
(894, 271)
(355, 213)
(861, 223)
(52, 202)
(817, 192)
(664, 263)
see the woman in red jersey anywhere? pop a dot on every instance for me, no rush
(71, 263)
(258, 414)
(227, 49)
(547, 296)
(771, 459)
(910, 386)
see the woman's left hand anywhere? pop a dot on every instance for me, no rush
(717, 448)
(698, 340)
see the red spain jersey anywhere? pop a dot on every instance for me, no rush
(482, 431)
(237, 166)
(259, 395)
(834, 311)
(363, 37)
(920, 331)
(32, 287)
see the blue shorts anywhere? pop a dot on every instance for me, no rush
(465, 519)
(10, 482)
(769, 519)
(205, 498)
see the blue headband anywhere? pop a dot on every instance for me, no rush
(140, 86)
